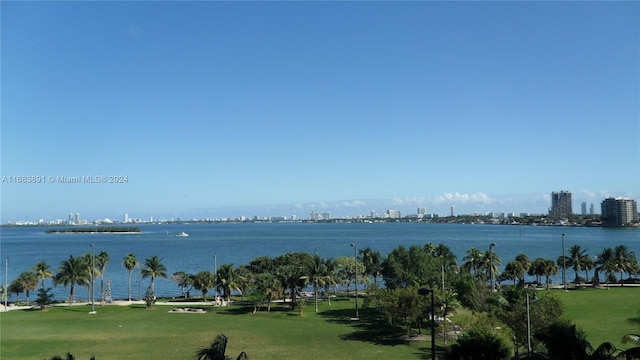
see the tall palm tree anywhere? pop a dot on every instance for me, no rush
(587, 264)
(42, 271)
(203, 281)
(474, 261)
(331, 265)
(550, 268)
(490, 263)
(606, 261)
(317, 275)
(130, 262)
(625, 261)
(514, 271)
(28, 281)
(524, 260)
(102, 260)
(576, 260)
(72, 272)
(153, 267)
(537, 269)
(372, 261)
(225, 279)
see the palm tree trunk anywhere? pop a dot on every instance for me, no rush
(129, 285)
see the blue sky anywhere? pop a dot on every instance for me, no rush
(248, 108)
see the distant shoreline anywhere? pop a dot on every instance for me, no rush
(101, 230)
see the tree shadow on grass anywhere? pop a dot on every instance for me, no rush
(368, 327)
(424, 352)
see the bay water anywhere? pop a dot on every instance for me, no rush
(209, 244)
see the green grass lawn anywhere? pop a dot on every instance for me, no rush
(137, 333)
(134, 332)
(602, 313)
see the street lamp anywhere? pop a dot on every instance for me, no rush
(93, 295)
(423, 291)
(529, 325)
(493, 287)
(564, 265)
(355, 262)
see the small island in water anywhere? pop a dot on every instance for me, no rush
(101, 229)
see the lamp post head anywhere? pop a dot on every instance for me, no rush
(493, 245)
(424, 291)
(352, 244)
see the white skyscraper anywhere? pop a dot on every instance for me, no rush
(126, 218)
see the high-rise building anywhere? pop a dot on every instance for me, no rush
(560, 204)
(70, 219)
(126, 218)
(583, 208)
(619, 211)
(394, 214)
(453, 210)
(422, 211)
(77, 218)
(592, 210)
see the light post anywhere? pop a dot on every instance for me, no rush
(423, 291)
(564, 265)
(6, 283)
(529, 325)
(493, 287)
(442, 270)
(355, 271)
(93, 295)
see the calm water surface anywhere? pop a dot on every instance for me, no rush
(240, 243)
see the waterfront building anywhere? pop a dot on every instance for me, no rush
(394, 214)
(560, 205)
(592, 210)
(70, 219)
(619, 211)
(126, 218)
(583, 208)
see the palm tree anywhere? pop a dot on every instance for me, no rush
(550, 268)
(372, 261)
(102, 260)
(226, 280)
(72, 272)
(625, 261)
(269, 286)
(605, 261)
(474, 261)
(42, 271)
(153, 267)
(514, 271)
(28, 281)
(490, 263)
(331, 265)
(317, 275)
(537, 269)
(523, 259)
(130, 262)
(203, 281)
(216, 350)
(577, 259)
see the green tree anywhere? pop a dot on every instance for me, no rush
(537, 269)
(448, 261)
(130, 262)
(244, 279)
(225, 279)
(45, 297)
(203, 281)
(372, 261)
(16, 286)
(606, 262)
(564, 341)
(317, 276)
(625, 261)
(479, 344)
(410, 267)
(28, 281)
(102, 260)
(513, 271)
(268, 286)
(474, 262)
(72, 272)
(525, 262)
(153, 267)
(43, 271)
(184, 281)
(576, 260)
(550, 269)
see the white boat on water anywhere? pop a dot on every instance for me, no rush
(183, 234)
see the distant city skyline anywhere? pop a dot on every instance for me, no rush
(461, 204)
(220, 109)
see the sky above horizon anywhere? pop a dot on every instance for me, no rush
(209, 107)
